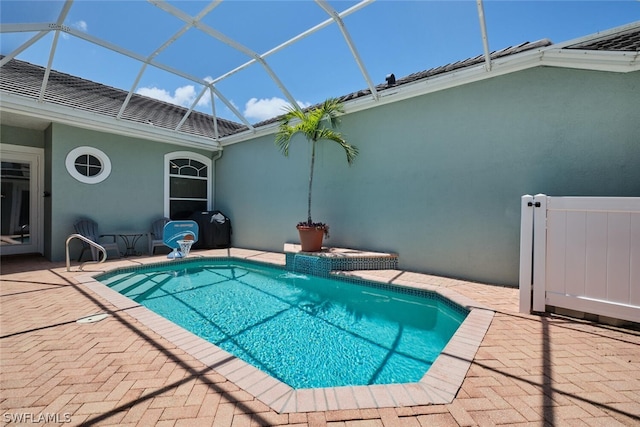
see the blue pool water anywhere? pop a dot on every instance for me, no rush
(303, 330)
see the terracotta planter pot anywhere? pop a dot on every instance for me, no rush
(311, 238)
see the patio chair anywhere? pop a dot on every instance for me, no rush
(89, 229)
(156, 234)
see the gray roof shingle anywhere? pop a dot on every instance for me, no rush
(25, 79)
(627, 41)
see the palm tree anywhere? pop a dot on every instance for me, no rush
(311, 124)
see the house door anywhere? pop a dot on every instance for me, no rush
(21, 213)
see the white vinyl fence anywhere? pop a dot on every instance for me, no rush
(581, 253)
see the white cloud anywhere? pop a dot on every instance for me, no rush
(255, 109)
(80, 25)
(263, 109)
(183, 96)
(154, 92)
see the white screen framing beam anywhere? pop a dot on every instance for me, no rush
(58, 27)
(190, 22)
(98, 42)
(23, 46)
(352, 47)
(63, 14)
(45, 28)
(295, 39)
(229, 42)
(485, 38)
(165, 45)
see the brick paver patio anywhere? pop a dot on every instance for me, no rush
(529, 370)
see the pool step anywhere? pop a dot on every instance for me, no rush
(336, 259)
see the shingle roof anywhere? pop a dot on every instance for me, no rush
(455, 66)
(624, 41)
(25, 79)
(436, 71)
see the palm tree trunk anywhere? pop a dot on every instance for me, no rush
(313, 160)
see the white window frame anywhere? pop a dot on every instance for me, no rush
(167, 175)
(91, 151)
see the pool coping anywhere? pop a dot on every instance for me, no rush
(439, 385)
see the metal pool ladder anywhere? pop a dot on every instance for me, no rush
(90, 242)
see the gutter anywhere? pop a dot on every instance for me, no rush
(618, 62)
(17, 104)
(596, 60)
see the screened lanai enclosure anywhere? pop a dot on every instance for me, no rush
(206, 45)
(207, 50)
(131, 111)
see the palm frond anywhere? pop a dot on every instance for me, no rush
(351, 151)
(286, 130)
(311, 124)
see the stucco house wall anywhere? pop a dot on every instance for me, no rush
(439, 177)
(20, 136)
(128, 200)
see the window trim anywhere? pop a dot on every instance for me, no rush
(91, 151)
(167, 174)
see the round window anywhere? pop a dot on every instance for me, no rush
(88, 165)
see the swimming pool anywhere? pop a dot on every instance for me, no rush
(306, 331)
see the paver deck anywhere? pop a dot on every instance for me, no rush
(528, 370)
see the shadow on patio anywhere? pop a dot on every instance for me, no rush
(536, 370)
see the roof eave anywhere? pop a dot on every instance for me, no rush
(595, 60)
(83, 119)
(549, 57)
(246, 135)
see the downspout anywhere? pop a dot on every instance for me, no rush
(218, 155)
(214, 158)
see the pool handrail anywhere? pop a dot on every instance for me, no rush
(90, 242)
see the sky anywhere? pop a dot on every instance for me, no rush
(390, 36)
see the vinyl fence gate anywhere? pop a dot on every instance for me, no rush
(581, 253)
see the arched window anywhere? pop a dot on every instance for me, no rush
(187, 184)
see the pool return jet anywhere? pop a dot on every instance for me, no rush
(180, 236)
